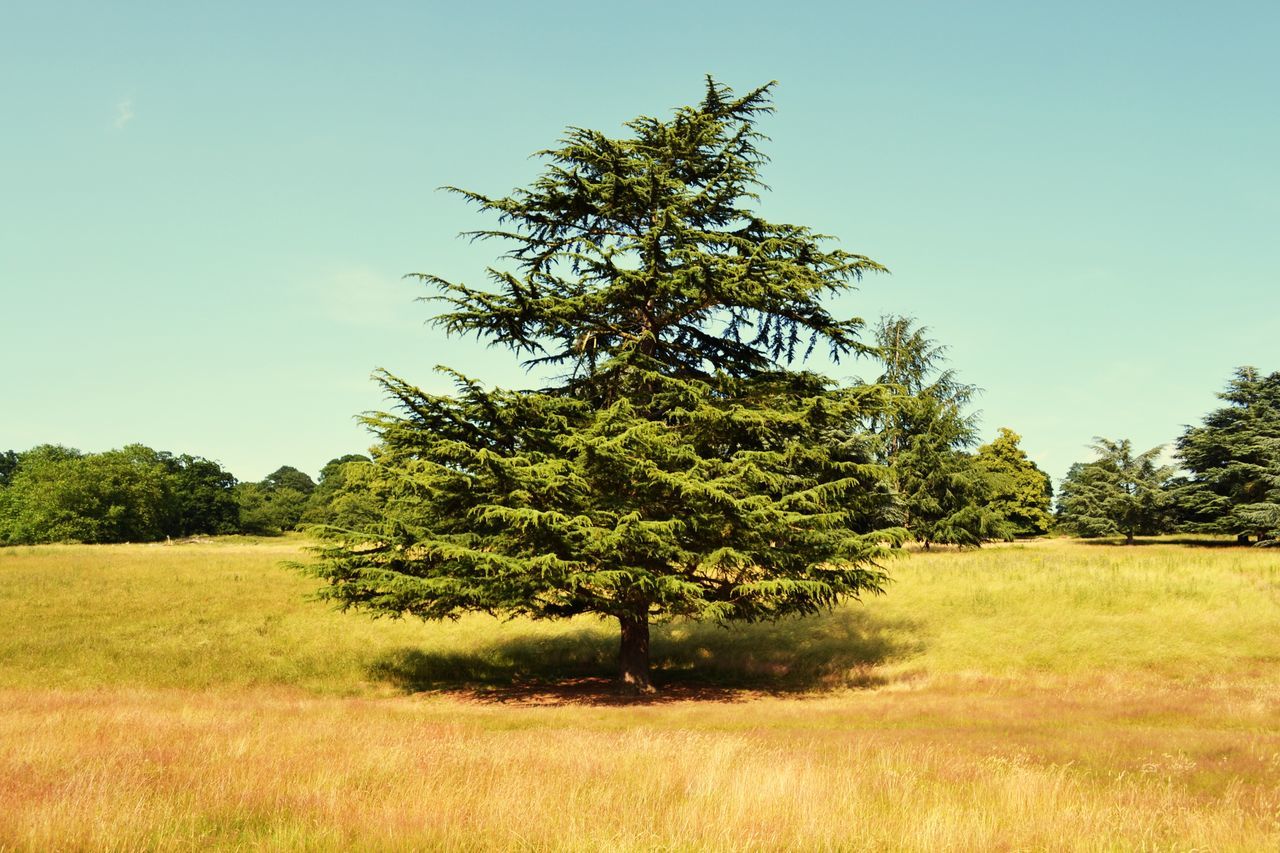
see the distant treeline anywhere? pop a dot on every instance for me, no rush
(914, 440)
(52, 493)
(1229, 480)
(917, 437)
(915, 443)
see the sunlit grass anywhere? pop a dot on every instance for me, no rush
(1045, 695)
(922, 770)
(229, 613)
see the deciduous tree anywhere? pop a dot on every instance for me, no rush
(1021, 492)
(335, 498)
(61, 495)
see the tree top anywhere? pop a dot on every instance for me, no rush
(646, 248)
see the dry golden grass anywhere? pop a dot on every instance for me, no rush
(1054, 695)
(1095, 766)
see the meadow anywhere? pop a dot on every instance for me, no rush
(1054, 694)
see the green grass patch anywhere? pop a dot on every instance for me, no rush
(229, 612)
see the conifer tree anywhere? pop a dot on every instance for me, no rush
(1120, 492)
(680, 467)
(943, 495)
(1234, 457)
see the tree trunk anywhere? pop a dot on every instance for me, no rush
(1128, 537)
(633, 656)
(1242, 538)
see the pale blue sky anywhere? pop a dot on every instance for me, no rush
(206, 208)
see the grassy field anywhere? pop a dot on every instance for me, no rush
(1047, 695)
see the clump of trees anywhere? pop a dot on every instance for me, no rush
(135, 494)
(943, 492)
(1020, 492)
(52, 493)
(276, 503)
(1230, 484)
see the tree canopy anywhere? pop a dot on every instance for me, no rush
(1234, 459)
(1120, 492)
(680, 467)
(1020, 492)
(339, 498)
(943, 495)
(134, 494)
(276, 503)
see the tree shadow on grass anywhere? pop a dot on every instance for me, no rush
(690, 661)
(1185, 541)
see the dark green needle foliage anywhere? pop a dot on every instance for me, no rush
(1119, 492)
(680, 467)
(1234, 459)
(944, 495)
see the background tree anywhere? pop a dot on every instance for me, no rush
(1120, 492)
(136, 494)
(678, 468)
(331, 502)
(61, 495)
(203, 498)
(1234, 460)
(1021, 492)
(943, 495)
(8, 465)
(12, 531)
(276, 503)
(288, 477)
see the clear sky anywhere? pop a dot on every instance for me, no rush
(206, 208)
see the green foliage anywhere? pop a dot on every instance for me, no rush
(679, 468)
(1021, 492)
(135, 494)
(913, 362)
(203, 497)
(288, 477)
(943, 495)
(340, 498)
(646, 245)
(9, 461)
(8, 466)
(1234, 458)
(545, 505)
(275, 504)
(266, 511)
(334, 471)
(61, 495)
(1120, 492)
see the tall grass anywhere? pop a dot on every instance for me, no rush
(1048, 695)
(903, 770)
(228, 613)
